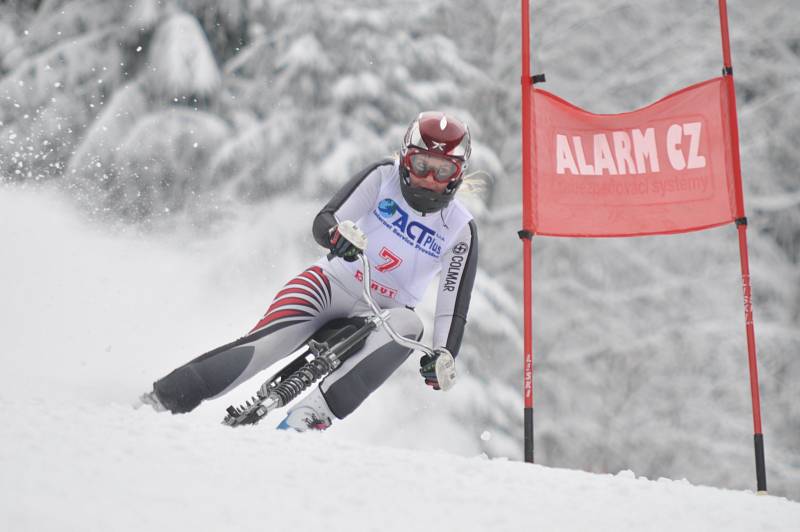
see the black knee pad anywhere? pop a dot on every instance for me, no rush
(207, 375)
(350, 390)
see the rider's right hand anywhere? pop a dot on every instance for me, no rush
(341, 246)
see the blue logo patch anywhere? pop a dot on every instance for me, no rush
(387, 207)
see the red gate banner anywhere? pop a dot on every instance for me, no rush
(665, 168)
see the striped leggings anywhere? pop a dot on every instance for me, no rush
(300, 309)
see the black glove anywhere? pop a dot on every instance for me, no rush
(427, 368)
(341, 247)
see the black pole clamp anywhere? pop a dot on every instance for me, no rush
(727, 71)
(741, 221)
(524, 233)
(538, 78)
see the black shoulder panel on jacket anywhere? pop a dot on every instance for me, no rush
(325, 219)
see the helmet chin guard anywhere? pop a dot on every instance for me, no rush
(424, 200)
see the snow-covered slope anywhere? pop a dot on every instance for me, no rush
(71, 465)
(88, 320)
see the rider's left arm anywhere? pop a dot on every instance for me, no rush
(459, 265)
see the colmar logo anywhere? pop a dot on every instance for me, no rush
(453, 273)
(454, 268)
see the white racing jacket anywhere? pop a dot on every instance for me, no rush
(406, 249)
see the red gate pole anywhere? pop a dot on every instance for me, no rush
(741, 223)
(526, 234)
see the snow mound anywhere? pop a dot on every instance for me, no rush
(80, 466)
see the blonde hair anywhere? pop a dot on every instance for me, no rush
(476, 184)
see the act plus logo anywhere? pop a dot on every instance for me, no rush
(413, 232)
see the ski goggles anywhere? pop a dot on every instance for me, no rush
(422, 164)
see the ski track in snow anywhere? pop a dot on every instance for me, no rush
(76, 455)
